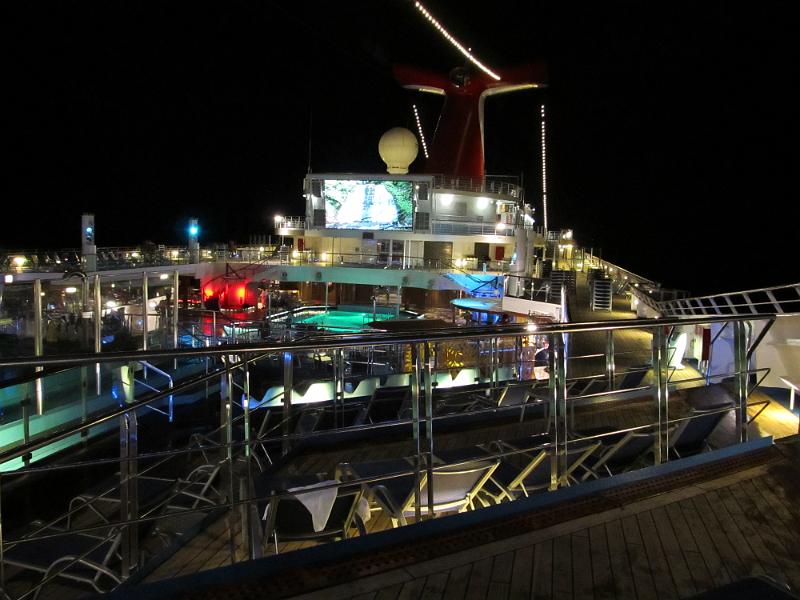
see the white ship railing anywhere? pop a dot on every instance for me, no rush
(784, 299)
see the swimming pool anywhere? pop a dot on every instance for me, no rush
(346, 320)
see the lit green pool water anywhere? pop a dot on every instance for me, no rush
(342, 321)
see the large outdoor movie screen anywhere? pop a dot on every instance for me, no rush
(368, 204)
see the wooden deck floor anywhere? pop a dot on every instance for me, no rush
(672, 545)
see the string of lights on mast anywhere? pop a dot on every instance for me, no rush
(465, 51)
(419, 129)
(544, 168)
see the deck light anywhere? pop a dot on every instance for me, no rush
(163, 276)
(19, 261)
(71, 290)
(111, 304)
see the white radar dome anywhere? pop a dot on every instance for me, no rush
(398, 149)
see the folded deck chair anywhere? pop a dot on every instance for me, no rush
(86, 559)
(454, 488)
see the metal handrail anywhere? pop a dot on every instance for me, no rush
(358, 340)
(262, 350)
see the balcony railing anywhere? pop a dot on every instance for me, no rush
(403, 393)
(478, 185)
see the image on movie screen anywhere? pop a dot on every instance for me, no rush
(368, 204)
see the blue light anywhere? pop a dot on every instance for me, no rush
(89, 230)
(194, 230)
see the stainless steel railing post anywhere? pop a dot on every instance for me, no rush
(175, 286)
(428, 382)
(611, 366)
(338, 384)
(288, 376)
(741, 369)
(660, 359)
(129, 500)
(98, 330)
(38, 343)
(558, 379)
(416, 358)
(145, 302)
(226, 427)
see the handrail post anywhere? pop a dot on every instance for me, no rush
(288, 367)
(38, 343)
(660, 359)
(175, 287)
(558, 407)
(129, 501)
(226, 423)
(338, 384)
(98, 330)
(610, 362)
(428, 382)
(416, 358)
(145, 302)
(741, 369)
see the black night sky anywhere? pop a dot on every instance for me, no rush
(668, 125)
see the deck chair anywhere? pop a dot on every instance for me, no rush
(455, 488)
(86, 559)
(511, 482)
(633, 376)
(197, 489)
(385, 404)
(288, 519)
(152, 493)
(691, 435)
(617, 453)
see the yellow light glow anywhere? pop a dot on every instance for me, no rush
(19, 261)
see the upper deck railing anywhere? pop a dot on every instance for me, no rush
(783, 299)
(505, 186)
